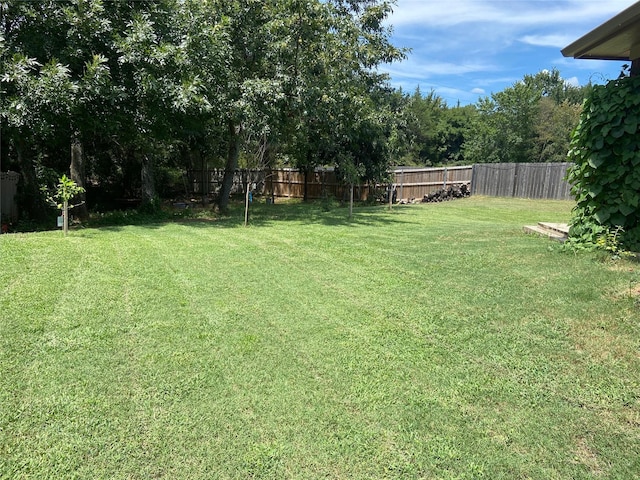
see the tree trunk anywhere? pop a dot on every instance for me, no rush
(197, 161)
(65, 217)
(305, 194)
(351, 200)
(230, 167)
(148, 181)
(77, 171)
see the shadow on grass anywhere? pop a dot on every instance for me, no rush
(310, 213)
(260, 214)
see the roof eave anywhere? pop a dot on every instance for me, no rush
(582, 47)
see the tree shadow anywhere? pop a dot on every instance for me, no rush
(261, 214)
(309, 213)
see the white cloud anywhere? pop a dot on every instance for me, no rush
(573, 81)
(551, 40)
(500, 12)
(466, 48)
(424, 68)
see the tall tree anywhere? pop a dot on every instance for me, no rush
(249, 77)
(512, 126)
(302, 70)
(425, 112)
(553, 128)
(131, 72)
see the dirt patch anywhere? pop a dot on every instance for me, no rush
(585, 455)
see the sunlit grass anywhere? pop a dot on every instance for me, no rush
(432, 341)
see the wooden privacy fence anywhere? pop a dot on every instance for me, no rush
(522, 180)
(8, 190)
(281, 182)
(418, 182)
(525, 180)
(320, 183)
(410, 182)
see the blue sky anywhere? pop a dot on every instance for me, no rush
(468, 49)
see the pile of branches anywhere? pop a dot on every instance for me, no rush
(450, 193)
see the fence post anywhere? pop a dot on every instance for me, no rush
(547, 181)
(444, 178)
(473, 179)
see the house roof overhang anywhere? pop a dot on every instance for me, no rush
(616, 39)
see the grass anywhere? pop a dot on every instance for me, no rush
(433, 341)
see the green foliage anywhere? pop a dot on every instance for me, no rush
(605, 149)
(147, 85)
(328, 203)
(584, 234)
(435, 132)
(592, 236)
(530, 121)
(553, 127)
(64, 192)
(62, 195)
(609, 242)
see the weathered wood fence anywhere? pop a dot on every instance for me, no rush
(525, 180)
(417, 182)
(410, 182)
(522, 180)
(281, 182)
(8, 190)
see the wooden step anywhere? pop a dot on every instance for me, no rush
(554, 231)
(562, 228)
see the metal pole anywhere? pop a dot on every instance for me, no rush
(1, 12)
(0, 168)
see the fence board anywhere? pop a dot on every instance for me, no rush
(418, 182)
(8, 190)
(523, 180)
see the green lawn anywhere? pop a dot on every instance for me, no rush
(433, 341)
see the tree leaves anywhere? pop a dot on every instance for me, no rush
(153, 78)
(529, 121)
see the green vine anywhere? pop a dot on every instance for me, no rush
(605, 149)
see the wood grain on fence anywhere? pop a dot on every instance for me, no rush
(522, 180)
(525, 180)
(8, 190)
(418, 182)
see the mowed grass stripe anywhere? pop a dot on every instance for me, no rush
(248, 329)
(301, 317)
(272, 352)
